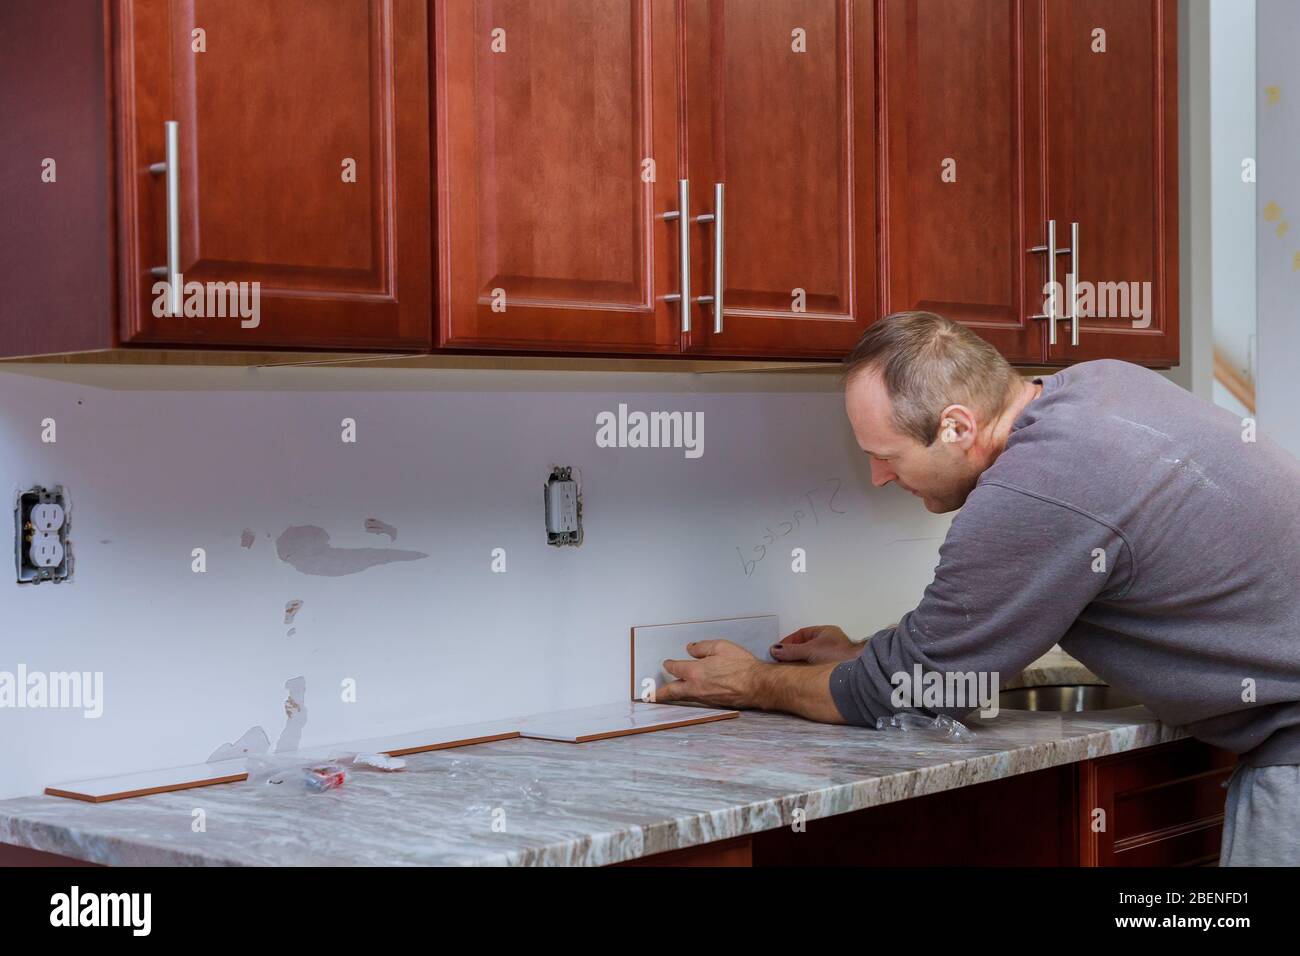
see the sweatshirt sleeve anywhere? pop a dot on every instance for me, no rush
(1015, 571)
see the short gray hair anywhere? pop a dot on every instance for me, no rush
(927, 363)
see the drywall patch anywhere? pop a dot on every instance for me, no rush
(290, 609)
(375, 526)
(295, 712)
(246, 539)
(308, 549)
(254, 741)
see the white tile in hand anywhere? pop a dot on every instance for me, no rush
(653, 644)
(615, 720)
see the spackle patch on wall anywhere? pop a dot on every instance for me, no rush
(246, 539)
(254, 741)
(375, 526)
(290, 609)
(308, 549)
(295, 712)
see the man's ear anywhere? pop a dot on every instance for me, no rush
(957, 426)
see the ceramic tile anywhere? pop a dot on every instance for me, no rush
(655, 643)
(617, 719)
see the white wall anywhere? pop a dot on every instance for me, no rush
(1194, 371)
(1278, 386)
(1232, 127)
(455, 461)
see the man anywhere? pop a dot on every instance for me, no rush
(1150, 533)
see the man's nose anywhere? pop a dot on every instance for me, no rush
(881, 474)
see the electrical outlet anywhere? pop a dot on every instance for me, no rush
(562, 498)
(47, 516)
(41, 548)
(46, 550)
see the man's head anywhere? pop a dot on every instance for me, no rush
(929, 401)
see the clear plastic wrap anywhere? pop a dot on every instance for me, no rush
(941, 726)
(316, 773)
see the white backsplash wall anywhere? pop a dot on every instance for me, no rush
(1277, 196)
(161, 461)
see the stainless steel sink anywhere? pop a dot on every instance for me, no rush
(1065, 698)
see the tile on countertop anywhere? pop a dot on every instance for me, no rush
(122, 786)
(617, 719)
(167, 780)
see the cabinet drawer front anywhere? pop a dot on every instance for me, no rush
(303, 133)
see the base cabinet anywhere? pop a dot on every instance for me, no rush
(1160, 806)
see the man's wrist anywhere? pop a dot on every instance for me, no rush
(764, 686)
(802, 689)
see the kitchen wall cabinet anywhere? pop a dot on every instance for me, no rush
(554, 236)
(1003, 120)
(300, 156)
(1112, 167)
(780, 112)
(558, 152)
(962, 147)
(556, 177)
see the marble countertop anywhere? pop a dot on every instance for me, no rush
(534, 802)
(1054, 667)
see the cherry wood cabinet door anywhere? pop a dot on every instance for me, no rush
(557, 155)
(962, 154)
(303, 133)
(1112, 162)
(780, 104)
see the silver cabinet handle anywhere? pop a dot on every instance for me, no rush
(171, 166)
(1072, 283)
(1052, 252)
(683, 217)
(719, 244)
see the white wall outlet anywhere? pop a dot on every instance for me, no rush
(563, 501)
(42, 551)
(562, 506)
(46, 550)
(47, 516)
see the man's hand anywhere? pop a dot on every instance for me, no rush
(723, 675)
(726, 675)
(818, 644)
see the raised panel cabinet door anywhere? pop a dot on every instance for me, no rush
(780, 103)
(557, 157)
(961, 145)
(302, 166)
(1112, 167)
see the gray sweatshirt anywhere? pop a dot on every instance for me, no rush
(1192, 603)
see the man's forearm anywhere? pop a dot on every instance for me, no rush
(798, 689)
